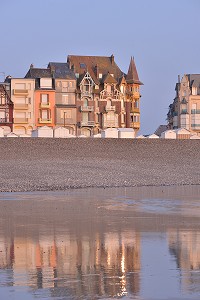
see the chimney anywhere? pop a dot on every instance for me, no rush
(96, 68)
(31, 66)
(112, 59)
(179, 79)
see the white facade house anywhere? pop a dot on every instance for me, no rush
(168, 134)
(109, 133)
(126, 133)
(43, 131)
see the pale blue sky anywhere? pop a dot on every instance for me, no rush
(162, 35)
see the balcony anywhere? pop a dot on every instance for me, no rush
(45, 121)
(108, 124)
(136, 95)
(20, 120)
(20, 92)
(136, 125)
(20, 106)
(87, 108)
(87, 123)
(45, 105)
(110, 108)
(135, 110)
(195, 126)
(195, 111)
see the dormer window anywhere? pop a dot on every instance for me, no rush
(82, 66)
(46, 83)
(77, 75)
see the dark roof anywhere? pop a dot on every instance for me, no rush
(94, 64)
(194, 80)
(132, 76)
(109, 79)
(161, 129)
(38, 73)
(61, 70)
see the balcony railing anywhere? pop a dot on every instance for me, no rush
(45, 105)
(20, 120)
(136, 95)
(110, 108)
(45, 121)
(20, 106)
(135, 110)
(87, 123)
(184, 112)
(195, 111)
(20, 92)
(110, 124)
(87, 108)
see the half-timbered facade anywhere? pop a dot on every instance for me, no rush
(6, 107)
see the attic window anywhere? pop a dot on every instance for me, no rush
(77, 75)
(112, 75)
(82, 66)
(100, 75)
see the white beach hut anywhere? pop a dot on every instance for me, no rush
(61, 132)
(1, 132)
(153, 136)
(25, 135)
(126, 133)
(168, 134)
(140, 137)
(12, 134)
(109, 133)
(194, 137)
(98, 135)
(43, 131)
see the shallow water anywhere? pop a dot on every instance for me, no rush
(131, 243)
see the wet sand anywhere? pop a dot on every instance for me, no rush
(135, 243)
(59, 164)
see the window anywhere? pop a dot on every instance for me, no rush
(46, 83)
(44, 99)
(194, 90)
(82, 66)
(20, 100)
(112, 74)
(20, 86)
(65, 99)
(108, 88)
(58, 84)
(100, 75)
(77, 75)
(85, 102)
(45, 114)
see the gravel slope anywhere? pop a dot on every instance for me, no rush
(31, 164)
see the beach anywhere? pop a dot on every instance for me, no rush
(42, 164)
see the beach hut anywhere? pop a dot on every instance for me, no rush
(98, 135)
(194, 137)
(168, 134)
(109, 133)
(182, 134)
(25, 135)
(43, 131)
(140, 137)
(12, 134)
(61, 132)
(1, 132)
(153, 136)
(126, 133)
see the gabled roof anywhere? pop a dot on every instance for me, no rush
(194, 80)
(95, 65)
(132, 76)
(61, 70)
(109, 79)
(38, 73)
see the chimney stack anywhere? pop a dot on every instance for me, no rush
(112, 59)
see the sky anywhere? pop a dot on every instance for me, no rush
(162, 35)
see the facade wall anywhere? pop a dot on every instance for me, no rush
(45, 108)
(22, 96)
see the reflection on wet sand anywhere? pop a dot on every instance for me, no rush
(184, 245)
(94, 246)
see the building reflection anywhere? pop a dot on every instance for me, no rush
(104, 263)
(185, 247)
